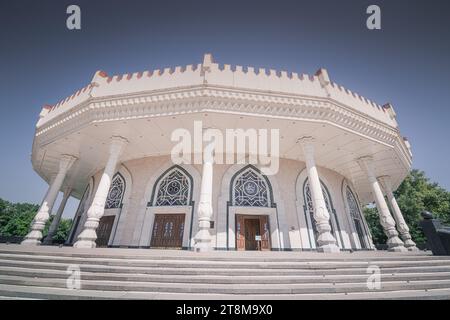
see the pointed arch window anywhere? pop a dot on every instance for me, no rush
(356, 216)
(174, 189)
(250, 189)
(309, 210)
(116, 192)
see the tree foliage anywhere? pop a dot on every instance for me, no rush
(416, 194)
(16, 218)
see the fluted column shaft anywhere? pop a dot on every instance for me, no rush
(325, 240)
(86, 239)
(34, 237)
(402, 227)
(205, 210)
(387, 222)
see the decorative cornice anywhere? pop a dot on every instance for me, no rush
(268, 104)
(211, 73)
(211, 87)
(215, 100)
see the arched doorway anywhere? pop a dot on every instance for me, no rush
(171, 209)
(113, 208)
(357, 219)
(253, 209)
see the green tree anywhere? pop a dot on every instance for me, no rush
(372, 218)
(415, 194)
(16, 218)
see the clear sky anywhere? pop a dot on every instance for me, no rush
(406, 63)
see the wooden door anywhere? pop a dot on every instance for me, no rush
(240, 232)
(265, 232)
(168, 231)
(247, 228)
(104, 230)
(251, 232)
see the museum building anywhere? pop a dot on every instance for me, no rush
(110, 143)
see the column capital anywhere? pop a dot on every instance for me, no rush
(365, 159)
(119, 139)
(117, 144)
(306, 140)
(67, 191)
(66, 161)
(386, 182)
(307, 144)
(366, 163)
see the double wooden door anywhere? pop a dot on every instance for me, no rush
(104, 229)
(252, 232)
(168, 231)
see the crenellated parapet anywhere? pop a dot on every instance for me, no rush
(209, 74)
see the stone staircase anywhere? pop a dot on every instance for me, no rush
(41, 273)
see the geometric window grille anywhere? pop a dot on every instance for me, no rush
(116, 191)
(250, 189)
(355, 213)
(174, 190)
(310, 209)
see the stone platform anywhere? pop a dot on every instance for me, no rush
(41, 273)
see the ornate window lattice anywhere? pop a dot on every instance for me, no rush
(250, 190)
(352, 204)
(355, 213)
(116, 192)
(174, 190)
(309, 207)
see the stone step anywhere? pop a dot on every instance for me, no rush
(192, 270)
(40, 273)
(154, 254)
(227, 288)
(185, 263)
(217, 279)
(29, 292)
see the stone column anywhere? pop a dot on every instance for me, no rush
(325, 240)
(86, 239)
(35, 235)
(57, 218)
(205, 210)
(402, 227)
(387, 222)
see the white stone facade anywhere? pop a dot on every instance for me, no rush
(133, 222)
(338, 151)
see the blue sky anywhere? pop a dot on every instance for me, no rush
(406, 63)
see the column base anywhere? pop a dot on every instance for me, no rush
(410, 245)
(329, 249)
(33, 238)
(398, 249)
(396, 245)
(85, 244)
(31, 242)
(203, 241)
(326, 242)
(206, 247)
